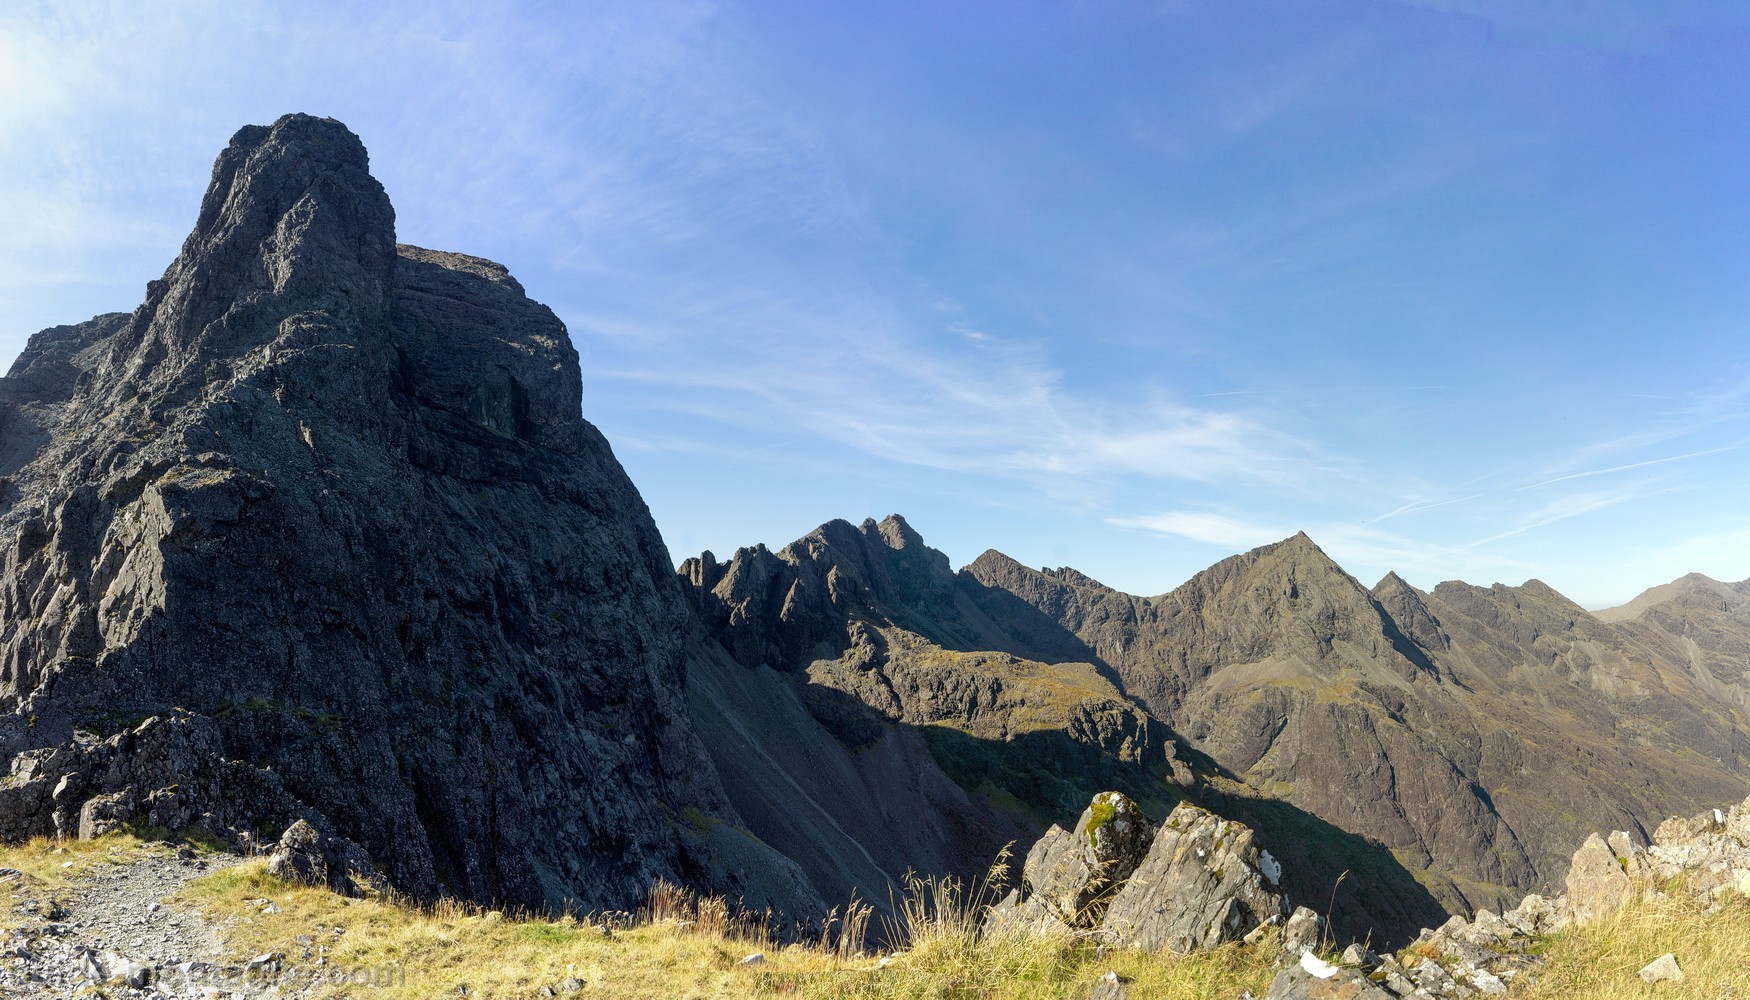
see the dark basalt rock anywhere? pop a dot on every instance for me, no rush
(332, 500)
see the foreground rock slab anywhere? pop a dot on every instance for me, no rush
(1204, 883)
(1197, 881)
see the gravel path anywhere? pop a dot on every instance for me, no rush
(113, 927)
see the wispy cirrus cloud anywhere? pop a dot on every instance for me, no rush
(1569, 507)
(1629, 466)
(999, 409)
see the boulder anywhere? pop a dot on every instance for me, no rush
(1109, 987)
(1303, 931)
(1680, 830)
(1534, 915)
(1199, 887)
(307, 855)
(1598, 881)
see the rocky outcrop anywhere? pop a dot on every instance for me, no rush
(1205, 882)
(1598, 880)
(331, 500)
(1706, 856)
(1195, 882)
(1070, 876)
(166, 774)
(307, 855)
(1314, 979)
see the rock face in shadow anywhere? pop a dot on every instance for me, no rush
(334, 499)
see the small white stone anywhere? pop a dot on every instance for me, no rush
(1662, 969)
(1316, 966)
(1483, 981)
(757, 958)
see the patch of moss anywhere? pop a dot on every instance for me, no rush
(1103, 809)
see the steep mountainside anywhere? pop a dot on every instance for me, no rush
(1477, 732)
(328, 504)
(855, 659)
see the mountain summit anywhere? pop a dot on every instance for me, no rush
(323, 512)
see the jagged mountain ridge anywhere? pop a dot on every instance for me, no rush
(328, 504)
(880, 641)
(1454, 744)
(1474, 731)
(860, 643)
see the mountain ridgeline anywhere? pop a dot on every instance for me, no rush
(318, 533)
(1448, 750)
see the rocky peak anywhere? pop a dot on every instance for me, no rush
(295, 240)
(788, 607)
(894, 532)
(1692, 587)
(330, 504)
(1285, 598)
(1407, 609)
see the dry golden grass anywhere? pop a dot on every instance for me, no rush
(682, 947)
(1601, 961)
(688, 948)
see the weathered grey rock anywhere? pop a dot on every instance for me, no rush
(168, 773)
(335, 498)
(1200, 886)
(1432, 976)
(1598, 884)
(1663, 969)
(1315, 980)
(1303, 931)
(1359, 956)
(306, 854)
(1533, 916)
(1109, 987)
(1070, 876)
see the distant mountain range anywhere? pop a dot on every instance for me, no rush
(1448, 749)
(318, 532)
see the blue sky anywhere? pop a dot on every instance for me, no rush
(1458, 289)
